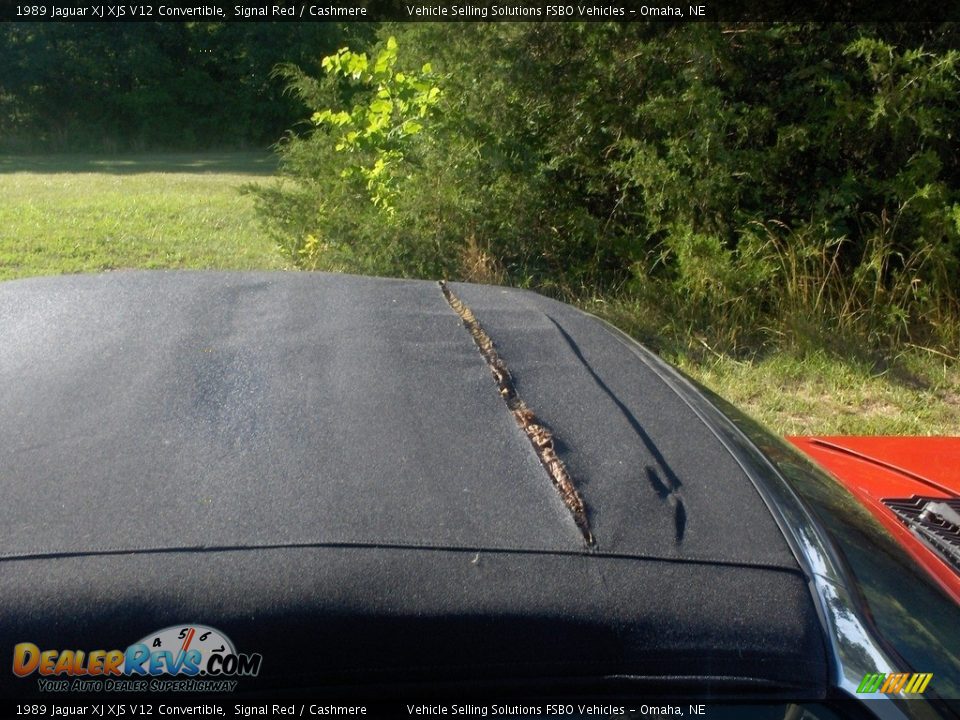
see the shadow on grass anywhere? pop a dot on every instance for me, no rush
(237, 163)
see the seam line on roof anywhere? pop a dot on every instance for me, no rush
(319, 545)
(539, 436)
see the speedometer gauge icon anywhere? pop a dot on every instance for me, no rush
(186, 647)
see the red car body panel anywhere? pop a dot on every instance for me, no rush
(879, 468)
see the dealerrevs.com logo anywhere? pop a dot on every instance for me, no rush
(187, 658)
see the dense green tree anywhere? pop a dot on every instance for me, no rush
(735, 172)
(159, 85)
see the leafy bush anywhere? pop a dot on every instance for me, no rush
(343, 206)
(748, 179)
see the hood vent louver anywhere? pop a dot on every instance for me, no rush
(935, 520)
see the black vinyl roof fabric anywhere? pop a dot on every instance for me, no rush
(324, 460)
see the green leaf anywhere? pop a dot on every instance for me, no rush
(381, 107)
(411, 127)
(357, 64)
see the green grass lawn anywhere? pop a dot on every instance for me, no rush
(64, 214)
(821, 394)
(87, 214)
(820, 386)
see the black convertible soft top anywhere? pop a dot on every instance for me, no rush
(324, 468)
